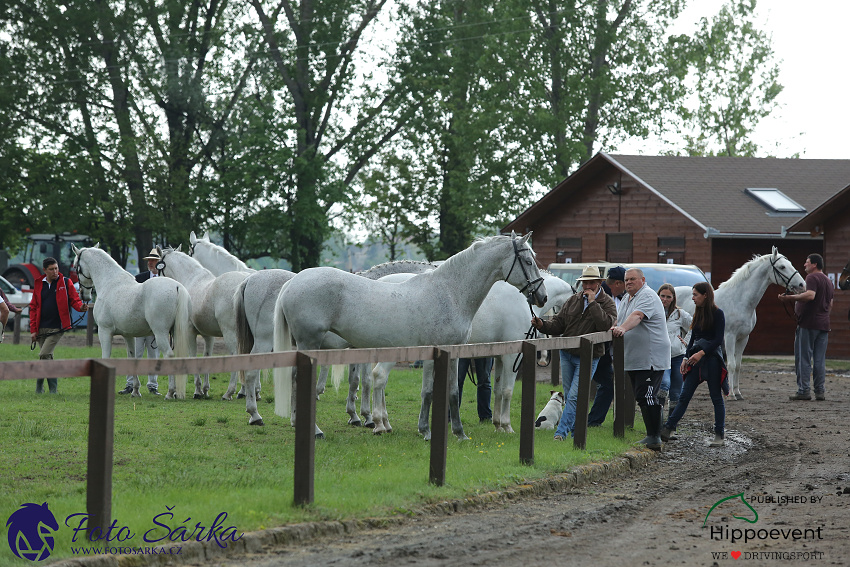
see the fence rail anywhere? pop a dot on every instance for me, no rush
(102, 397)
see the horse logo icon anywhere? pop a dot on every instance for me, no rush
(31, 530)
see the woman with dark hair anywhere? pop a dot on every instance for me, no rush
(703, 362)
(678, 327)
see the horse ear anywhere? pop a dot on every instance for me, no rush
(96, 245)
(75, 250)
(206, 237)
(192, 238)
(775, 252)
(159, 250)
(513, 234)
(526, 237)
(179, 247)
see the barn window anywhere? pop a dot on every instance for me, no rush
(619, 247)
(569, 249)
(671, 249)
(776, 201)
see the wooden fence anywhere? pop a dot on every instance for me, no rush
(102, 398)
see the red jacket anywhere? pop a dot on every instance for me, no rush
(65, 290)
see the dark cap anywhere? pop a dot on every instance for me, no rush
(617, 273)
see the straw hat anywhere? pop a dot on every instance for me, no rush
(590, 273)
(154, 255)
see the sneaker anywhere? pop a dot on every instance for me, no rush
(799, 396)
(820, 396)
(126, 390)
(153, 390)
(558, 438)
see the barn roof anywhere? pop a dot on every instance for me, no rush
(712, 191)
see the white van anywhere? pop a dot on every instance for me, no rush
(656, 274)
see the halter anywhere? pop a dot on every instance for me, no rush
(781, 277)
(81, 273)
(530, 284)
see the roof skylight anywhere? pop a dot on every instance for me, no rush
(776, 201)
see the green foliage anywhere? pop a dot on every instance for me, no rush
(203, 459)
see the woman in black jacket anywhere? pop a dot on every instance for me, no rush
(703, 362)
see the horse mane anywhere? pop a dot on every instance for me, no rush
(476, 244)
(389, 265)
(220, 251)
(743, 272)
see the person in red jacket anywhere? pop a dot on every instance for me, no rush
(50, 314)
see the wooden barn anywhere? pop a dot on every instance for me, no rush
(715, 212)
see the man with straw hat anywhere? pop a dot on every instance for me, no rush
(590, 311)
(146, 343)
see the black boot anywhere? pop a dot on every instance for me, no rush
(51, 385)
(644, 410)
(39, 386)
(653, 427)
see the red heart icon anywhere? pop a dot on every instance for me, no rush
(735, 554)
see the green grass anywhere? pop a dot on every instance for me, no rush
(201, 458)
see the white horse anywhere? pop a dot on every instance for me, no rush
(125, 307)
(215, 258)
(738, 297)
(212, 305)
(433, 308)
(504, 316)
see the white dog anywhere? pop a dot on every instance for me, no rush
(551, 414)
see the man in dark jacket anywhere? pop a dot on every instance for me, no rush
(146, 343)
(590, 311)
(615, 287)
(50, 314)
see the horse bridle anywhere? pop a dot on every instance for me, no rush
(80, 272)
(780, 276)
(530, 284)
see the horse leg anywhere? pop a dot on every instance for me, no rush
(427, 398)
(353, 384)
(251, 379)
(502, 404)
(205, 390)
(131, 353)
(366, 393)
(380, 377)
(454, 402)
(322, 381)
(498, 386)
(735, 384)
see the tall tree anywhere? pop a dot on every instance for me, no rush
(313, 45)
(737, 80)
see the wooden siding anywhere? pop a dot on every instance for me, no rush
(594, 213)
(836, 256)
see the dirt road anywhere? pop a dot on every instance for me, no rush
(789, 459)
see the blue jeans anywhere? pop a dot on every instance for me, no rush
(809, 354)
(604, 378)
(672, 380)
(569, 378)
(688, 389)
(483, 366)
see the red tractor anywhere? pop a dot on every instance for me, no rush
(40, 246)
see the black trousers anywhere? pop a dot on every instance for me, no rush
(646, 384)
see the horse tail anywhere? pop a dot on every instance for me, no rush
(244, 336)
(282, 376)
(337, 374)
(183, 335)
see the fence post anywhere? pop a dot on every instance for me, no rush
(619, 388)
(555, 363)
(529, 398)
(101, 430)
(305, 429)
(16, 329)
(584, 376)
(439, 418)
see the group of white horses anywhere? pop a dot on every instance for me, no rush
(470, 298)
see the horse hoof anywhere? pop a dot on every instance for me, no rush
(462, 437)
(357, 423)
(135, 394)
(428, 436)
(739, 396)
(320, 435)
(226, 398)
(198, 397)
(257, 397)
(370, 424)
(258, 422)
(240, 396)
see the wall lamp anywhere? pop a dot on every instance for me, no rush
(615, 189)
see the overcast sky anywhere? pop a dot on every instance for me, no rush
(810, 41)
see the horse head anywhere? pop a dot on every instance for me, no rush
(785, 274)
(83, 275)
(527, 278)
